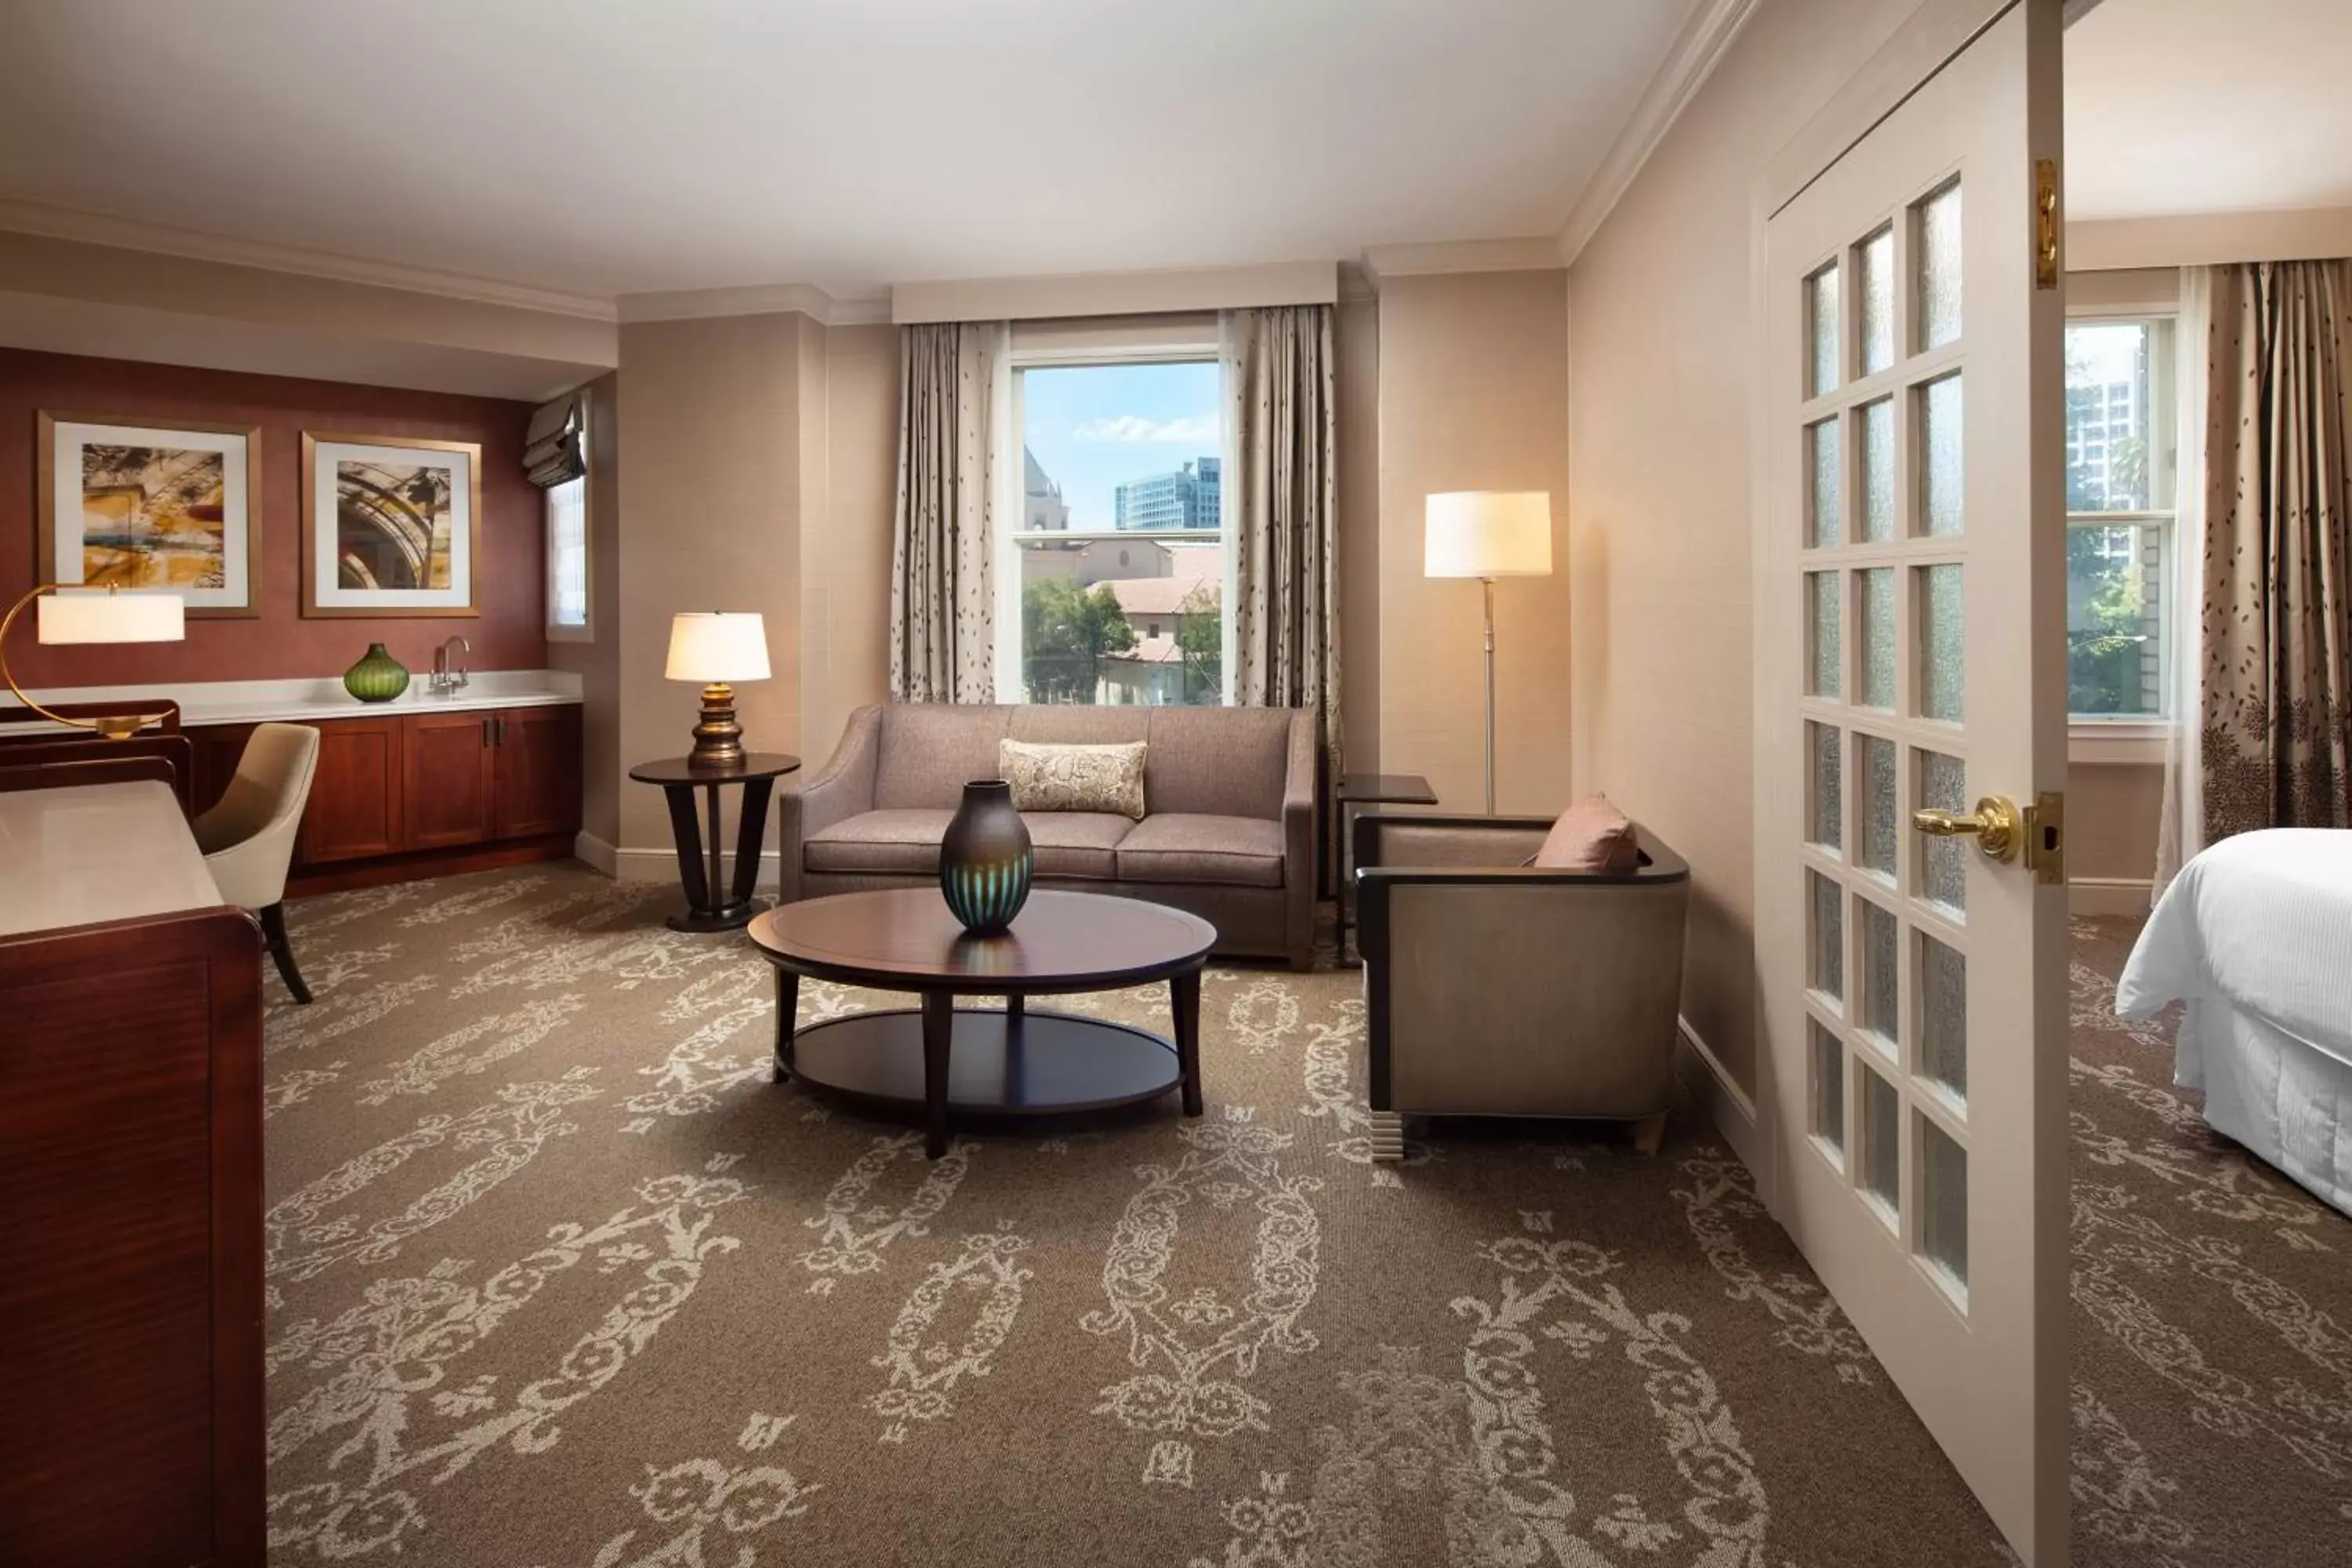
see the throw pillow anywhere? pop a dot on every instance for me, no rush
(1592, 836)
(1074, 778)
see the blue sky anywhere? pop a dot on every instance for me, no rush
(1092, 426)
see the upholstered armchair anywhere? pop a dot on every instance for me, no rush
(248, 838)
(1495, 989)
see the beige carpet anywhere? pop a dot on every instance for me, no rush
(560, 1278)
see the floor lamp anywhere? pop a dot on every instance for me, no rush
(1487, 534)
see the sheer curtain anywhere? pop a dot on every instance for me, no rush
(2180, 833)
(955, 401)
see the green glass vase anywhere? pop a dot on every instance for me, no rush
(377, 676)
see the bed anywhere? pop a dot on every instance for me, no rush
(2254, 937)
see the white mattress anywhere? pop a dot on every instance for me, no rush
(2255, 935)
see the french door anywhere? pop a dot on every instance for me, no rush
(1911, 665)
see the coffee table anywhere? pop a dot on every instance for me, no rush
(938, 1058)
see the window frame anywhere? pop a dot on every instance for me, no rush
(2096, 737)
(1011, 501)
(585, 631)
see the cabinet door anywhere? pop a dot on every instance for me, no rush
(355, 796)
(537, 768)
(449, 779)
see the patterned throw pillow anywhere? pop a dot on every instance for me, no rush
(1074, 778)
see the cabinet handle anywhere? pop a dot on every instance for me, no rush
(485, 732)
(499, 731)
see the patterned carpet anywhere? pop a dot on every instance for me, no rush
(559, 1278)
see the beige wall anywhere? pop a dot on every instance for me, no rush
(2112, 814)
(845, 599)
(1473, 376)
(597, 663)
(1661, 361)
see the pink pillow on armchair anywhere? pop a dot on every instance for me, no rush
(1592, 836)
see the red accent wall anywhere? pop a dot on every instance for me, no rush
(508, 634)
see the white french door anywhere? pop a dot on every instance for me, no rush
(1911, 662)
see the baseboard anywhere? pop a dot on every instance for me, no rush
(597, 852)
(1711, 1087)
(2107, 895)
(631, 865)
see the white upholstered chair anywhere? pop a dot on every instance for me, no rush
(248, 838)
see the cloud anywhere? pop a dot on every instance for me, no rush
(1135, 428)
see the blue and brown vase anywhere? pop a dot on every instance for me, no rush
(985, 859)
(377, 676)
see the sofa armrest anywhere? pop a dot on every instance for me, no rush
(1442, 853)
(1397, 838)
(840, 790)
(1298, 804)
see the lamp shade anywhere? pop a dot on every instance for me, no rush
(1487, 533)
(67, 616)
(712, 648)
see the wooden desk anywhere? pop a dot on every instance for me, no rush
(130, 1272)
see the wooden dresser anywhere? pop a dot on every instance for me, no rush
(131, 1257)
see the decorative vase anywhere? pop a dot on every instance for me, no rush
(985, 859)
(377, 676)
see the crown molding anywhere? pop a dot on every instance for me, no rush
(842, 308)
(1535, 253)
(129, 234)
(1690, 60)
(1156, 293)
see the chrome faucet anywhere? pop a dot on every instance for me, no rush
(445, 679)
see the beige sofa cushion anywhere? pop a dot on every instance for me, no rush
(929, 752)
(1591, 837)
(1074, 778)
(1218, 762)
(1185, 846)
(906, 843)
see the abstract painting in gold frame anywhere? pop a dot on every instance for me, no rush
(391, 525)
(150, 505)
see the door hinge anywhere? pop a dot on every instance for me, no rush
(2045, 837)
(2046, 223)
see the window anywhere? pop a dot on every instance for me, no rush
(1112, 589)
(2119, 516)
(567, 557)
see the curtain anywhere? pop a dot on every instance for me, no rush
(2275, 634)
(2181, 829)
(955, 392)
(1280, 420)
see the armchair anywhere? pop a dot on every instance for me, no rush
(1495, 989)
(248, 838)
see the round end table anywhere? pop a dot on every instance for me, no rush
(679, 777)
(938, 1058)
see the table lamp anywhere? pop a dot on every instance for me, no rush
(1487, 534)
(69, 615)
(717, 648)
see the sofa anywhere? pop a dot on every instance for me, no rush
(1229, 795)
(1499, 988)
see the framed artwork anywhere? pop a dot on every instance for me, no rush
(389, 525)
(151, 506)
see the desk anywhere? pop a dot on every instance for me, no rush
(131, 1257)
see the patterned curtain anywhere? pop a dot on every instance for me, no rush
(2276, 632)
(1280, 417)
(942, 604)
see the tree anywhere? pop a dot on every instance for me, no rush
(1200, 646)
(1065, 630)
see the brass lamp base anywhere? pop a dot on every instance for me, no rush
(717, 740)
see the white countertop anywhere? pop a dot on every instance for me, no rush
(259, 701)
(96, 852)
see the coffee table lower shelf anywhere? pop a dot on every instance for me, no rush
(1028, 1063)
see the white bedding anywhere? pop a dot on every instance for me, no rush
(2255, 934)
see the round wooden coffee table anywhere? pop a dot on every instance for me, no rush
(939, 1058)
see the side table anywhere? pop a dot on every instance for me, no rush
(1356, 791)
(679, 777)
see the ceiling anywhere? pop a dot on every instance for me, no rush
(2195, 106)
(608, 149)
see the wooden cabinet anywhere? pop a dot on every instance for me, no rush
(451, 771)
(419, 794)
(536, 788)
(355, 797)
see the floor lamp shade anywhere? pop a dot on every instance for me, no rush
(1487, 534)
(715, 650)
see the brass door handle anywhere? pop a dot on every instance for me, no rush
(1995, 823)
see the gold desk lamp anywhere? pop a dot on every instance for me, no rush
(716, 648)
(69, 614)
